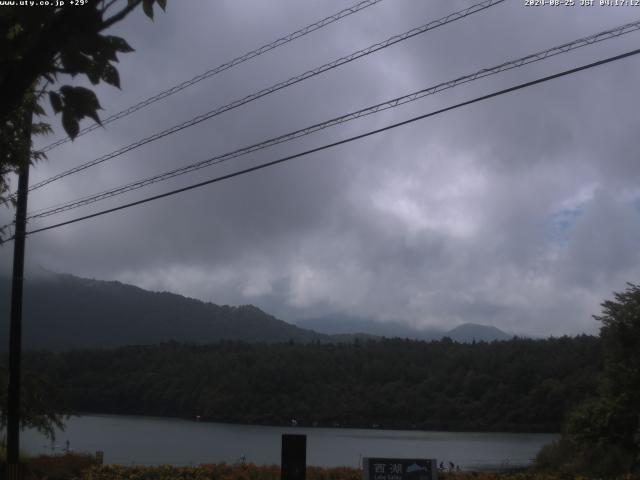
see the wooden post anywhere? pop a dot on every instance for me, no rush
(293, 464)
(14, 469)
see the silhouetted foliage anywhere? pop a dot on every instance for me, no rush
(36, 410)
(602, 434)
(40, 43)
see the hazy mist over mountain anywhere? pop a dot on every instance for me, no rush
(341, 324)
(68, 312)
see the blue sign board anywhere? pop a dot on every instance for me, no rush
(399, 469)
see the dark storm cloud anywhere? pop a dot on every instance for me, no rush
(449, 220)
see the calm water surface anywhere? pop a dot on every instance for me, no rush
(131, 440)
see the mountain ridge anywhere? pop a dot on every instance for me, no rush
(64, 312)
(466, 332)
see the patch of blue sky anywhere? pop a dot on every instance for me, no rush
(564, 219)
(561, 223)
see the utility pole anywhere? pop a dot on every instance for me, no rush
(14, 470)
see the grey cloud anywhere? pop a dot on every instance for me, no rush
(445, 221)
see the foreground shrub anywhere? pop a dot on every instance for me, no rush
(219, 471)
(338, 473)
(59, 467)
(55, 467)
(566, 457)
(253, 472)
(83, 467)
(556, 456)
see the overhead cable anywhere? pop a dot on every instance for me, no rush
(219, 69)
(334, 144)
(452, 17)
(535, 57)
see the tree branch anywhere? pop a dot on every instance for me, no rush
(108, 5)
(120, 15)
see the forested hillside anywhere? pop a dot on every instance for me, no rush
(64, 312)
(521, 385)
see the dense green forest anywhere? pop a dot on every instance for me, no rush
(516, 385)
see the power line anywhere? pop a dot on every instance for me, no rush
(544, 54)
(221, 68)
(279, 86)
(340, 142)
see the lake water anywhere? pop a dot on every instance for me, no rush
(130, 440)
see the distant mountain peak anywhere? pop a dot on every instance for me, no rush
(468, 332)
(344, 324)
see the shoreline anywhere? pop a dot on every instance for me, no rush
(434, 428)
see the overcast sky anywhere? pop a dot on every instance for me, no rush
(521, 212)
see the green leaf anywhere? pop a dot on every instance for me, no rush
(74, 62)
(106, 48)
(163, 4)
(38, 110)
(120, 44)
(111, 76)
(80, 97)
(147, 7)
(41, 128)
(70, 123)
(56, 102)
(80, 102)
(94, 115)
(93, 73)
